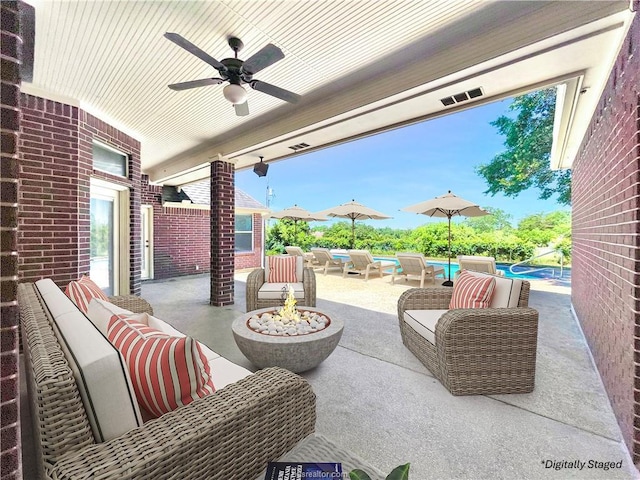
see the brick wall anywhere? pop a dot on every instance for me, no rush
(606, 242)
(10, 460)
(182, 238)
(56, 168)
(222, 233)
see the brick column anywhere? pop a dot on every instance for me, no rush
(10, 460)
(223, 241)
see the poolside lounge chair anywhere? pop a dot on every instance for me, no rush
(479, 263)
(415, 264)
(361, 261)
(325, 260)
(298, 252)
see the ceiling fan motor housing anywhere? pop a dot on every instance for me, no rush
(234, 71)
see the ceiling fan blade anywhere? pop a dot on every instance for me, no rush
(242, 109)
(195, 83)
(260, 60)
(274, 91)
(191, 48)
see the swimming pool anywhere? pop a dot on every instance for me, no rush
(540, 273)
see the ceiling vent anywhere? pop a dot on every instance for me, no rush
(299, 146)
(462, 97)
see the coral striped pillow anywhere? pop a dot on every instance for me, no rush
(167, 372)
(470, 291)
(282, 269)
(82, 291)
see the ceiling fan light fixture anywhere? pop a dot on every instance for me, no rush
(235, 93)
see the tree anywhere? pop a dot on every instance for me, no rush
(525, 162)
(498, 220)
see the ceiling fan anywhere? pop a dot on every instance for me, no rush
(236, 72)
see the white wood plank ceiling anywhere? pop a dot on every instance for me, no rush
(343, 57)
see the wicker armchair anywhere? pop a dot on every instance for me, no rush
(256, 280)
(476, 351)
(132, 303)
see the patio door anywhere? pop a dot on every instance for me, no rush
(146, 228)
(108, 233)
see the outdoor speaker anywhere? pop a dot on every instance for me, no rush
(260, 169)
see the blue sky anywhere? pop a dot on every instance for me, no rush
(398, 168)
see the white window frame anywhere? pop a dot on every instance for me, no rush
(236, 231)
(119, 194)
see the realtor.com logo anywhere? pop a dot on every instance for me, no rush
(581, 465)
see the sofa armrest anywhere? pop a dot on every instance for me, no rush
(255, 280)
(436, 298)
(487, 332)
(232, 433)
(309, 282)
(132, 303)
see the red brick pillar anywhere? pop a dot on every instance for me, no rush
(10, 460)
(223, 240)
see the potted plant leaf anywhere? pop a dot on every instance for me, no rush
(399, 473)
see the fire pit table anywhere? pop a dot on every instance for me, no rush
(296, 353)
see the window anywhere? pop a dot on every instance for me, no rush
(244, 233)
(107, 159)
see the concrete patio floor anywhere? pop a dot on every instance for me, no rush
(377, 400)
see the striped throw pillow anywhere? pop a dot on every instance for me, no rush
(83, 291)
(470, 291)
(167, 372)
(282, 269)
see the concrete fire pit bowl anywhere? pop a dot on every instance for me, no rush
(296, 353)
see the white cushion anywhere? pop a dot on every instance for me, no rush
(98, 367)
(275, 290)
(424, 322)
(299, 268)
(224, 372)
(506, 293)
(100, 312)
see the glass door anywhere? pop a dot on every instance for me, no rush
(146, 228)
(104, 265)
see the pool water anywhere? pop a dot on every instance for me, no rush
(528, 272)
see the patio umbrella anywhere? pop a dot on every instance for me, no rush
(297, 213)
(354, 211)
(447, 205)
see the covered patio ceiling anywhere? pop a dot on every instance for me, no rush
(361, 67)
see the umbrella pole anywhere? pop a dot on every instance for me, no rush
(449, 283)
(353, 233)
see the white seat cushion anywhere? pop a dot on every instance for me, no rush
(424, 322)
(224, 372)
(273, 291)
(506, 293)
(98, 367)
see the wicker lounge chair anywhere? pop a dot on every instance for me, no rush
(262, 294)
(473, 351)
(325, 259)
(415, 265)
(361, 261)
(479, 263)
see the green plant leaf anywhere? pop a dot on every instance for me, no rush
(358, 474)
(399, 473)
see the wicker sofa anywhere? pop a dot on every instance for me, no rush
(230, 434)
(473, 351)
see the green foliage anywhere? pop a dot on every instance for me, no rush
(525, 162)
(498, 220)
(496, 238)
(399, 473)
